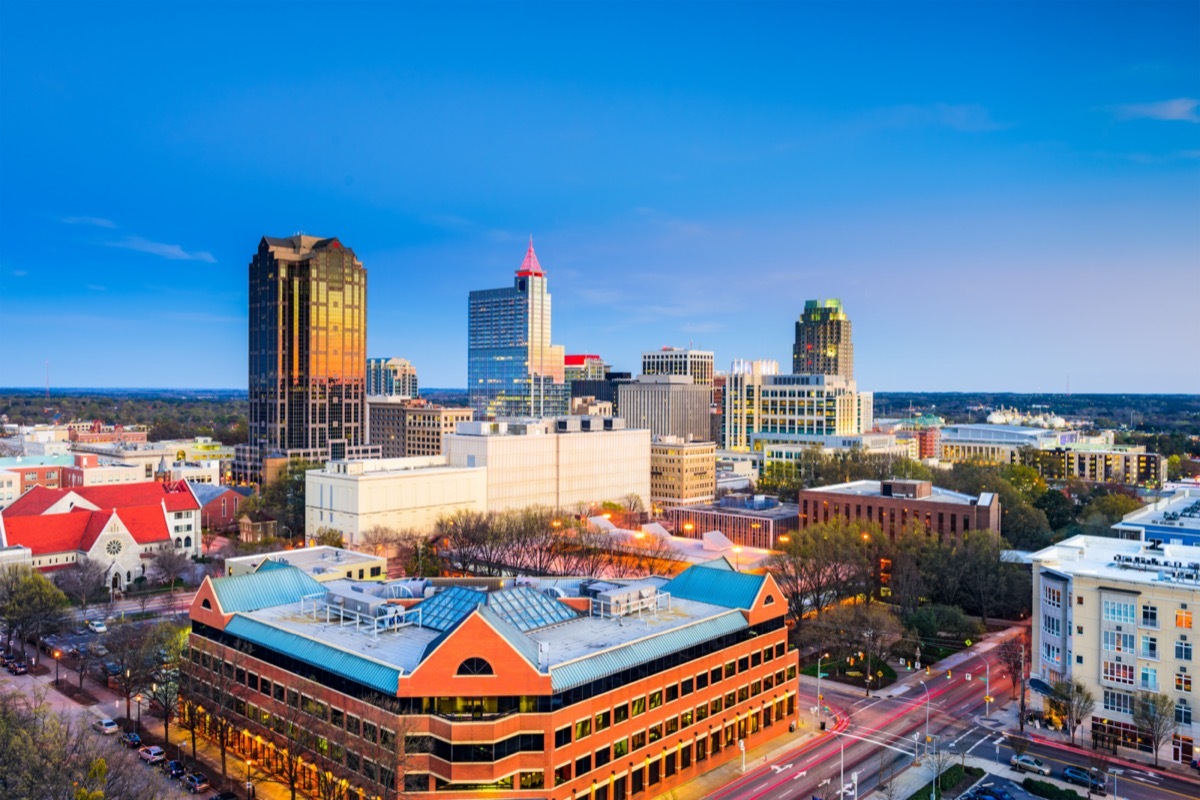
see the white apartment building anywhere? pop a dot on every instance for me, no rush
(486, 466)
(680, 361)
(1120, 617)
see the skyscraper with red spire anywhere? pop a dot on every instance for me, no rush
(512, 368)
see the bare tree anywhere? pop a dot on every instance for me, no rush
(208, 537)
(382, 541)
(1013, 653)
(227, 692)
(1019, 743)
(395, 752)
(1154, 713)
(82, 581)
(1074, 702)
(130, 652)
(936, 763)
(170, 565)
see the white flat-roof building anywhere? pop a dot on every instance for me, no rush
(1172, 520)
(322, 563)
(1120, 617)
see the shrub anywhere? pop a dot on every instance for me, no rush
(1049, 790)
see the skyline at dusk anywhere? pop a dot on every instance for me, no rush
(1008, 194)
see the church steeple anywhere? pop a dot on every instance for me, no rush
(530, 266)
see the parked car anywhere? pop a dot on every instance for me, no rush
(105, 726)
(1085, 778)
(174, 769)
(195, 782)
(97, 626)
(18, 668)
(6, 658)
(991, 793)
(1027, 763)
(152, 754)
(224, 796)
(130, 740)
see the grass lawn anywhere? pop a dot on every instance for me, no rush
(852, 674)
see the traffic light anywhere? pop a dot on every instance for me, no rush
(926, 669)
(949, 675)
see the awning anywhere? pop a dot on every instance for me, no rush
(1041, 687)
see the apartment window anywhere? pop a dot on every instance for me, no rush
(1183, 619)
(1149, 647)
(1052, 596)
(714, 676)
(702, 712)
(1183, 651)
(1149, 680)
(672, 692)
(730, 669)
(1183, 682)
(1118, 642)
(1149, 616)
(656, 732)
(743, 663)
(1119, 702)
(1117, 611)
(638, 740)
(562, 774)
(1117, 673)
(686, 687)
(583, 765)
(603, 757)
(1051, 653)
(1052, 625)
(1183, 712)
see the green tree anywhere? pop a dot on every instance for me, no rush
(1025, 527)
(1104, 511)
(283, 498)
(30, 605)
(1058, 508)
(329, 537)
(1026, 480)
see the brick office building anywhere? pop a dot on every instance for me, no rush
(893, 504)
(565, 688)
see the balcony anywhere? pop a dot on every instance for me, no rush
(1148, 686)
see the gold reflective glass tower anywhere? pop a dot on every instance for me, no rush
(823, 345)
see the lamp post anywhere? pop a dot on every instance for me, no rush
(820, 703)
(737, 555)
(987, 689)
(249, 783)
(57, 656)
(926, 688)
(139, 700)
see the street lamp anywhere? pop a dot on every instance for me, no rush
(737, 555)
(139, 700)
(987, 689)
(57, 656)
(926, 688)
(820, 702)
(249, 783)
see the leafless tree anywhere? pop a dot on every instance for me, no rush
(169, 565)
(82, 581)
(1013, 653)
(1019, 743)
(465, 535)
(227, 692)
(382, 541)
(1154, 713)
(394, 755)
(208, 536)
(130, 652)
(937, 762)
(1074, 702)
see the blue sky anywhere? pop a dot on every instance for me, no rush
(1002, 195)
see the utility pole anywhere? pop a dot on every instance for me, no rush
(1021, 710)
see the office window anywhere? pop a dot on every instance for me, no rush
(562, 736)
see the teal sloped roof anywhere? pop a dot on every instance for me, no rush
(263, 589)
(271, 564)
(720, 562)
(351, 666)
(589, 668)
(716, 586)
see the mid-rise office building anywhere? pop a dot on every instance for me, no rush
(680, 361)
(681, 473)
(763, 407)
(542, 691)
(602, 391)
(1119, 617)
(582, 367)
(823, 343)
(404, 428)
(667, 405)
(512, 368)
(744, 519)
(1175, 519)
(308, 354)
(391, 377)
(896, 503)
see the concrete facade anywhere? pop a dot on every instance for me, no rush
(404, 428)
(682, 473)
(680, 361)
(667, 405)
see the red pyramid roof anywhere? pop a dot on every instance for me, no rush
(530, 265)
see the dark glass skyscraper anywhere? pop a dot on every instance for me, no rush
(512, 369)
(308, 345)
(823, 345)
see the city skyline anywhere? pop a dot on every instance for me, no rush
(1008, 190)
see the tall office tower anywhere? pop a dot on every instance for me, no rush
(392, 377)
(512, 369)
(669, 405)
(823, 345)
(678, 361)
(308, 344)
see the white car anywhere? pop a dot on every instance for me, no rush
(97, 626)
(106, 726)
(1029, 764)
(152, 754)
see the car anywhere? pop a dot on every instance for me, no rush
(174, 769)
(1085, 778)
(195, 782)
(18, 668)
(152, 754)
(130, 740)
(991, 793)
(106, 726)
(97, 626)
(1027, 763)
(6, 659)
(224, 796)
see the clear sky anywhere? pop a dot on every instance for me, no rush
(1003, 195)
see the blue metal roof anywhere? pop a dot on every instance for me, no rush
(609, 662)
(264, 588)
(716, 586)
(520, 642)
(351, 666)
